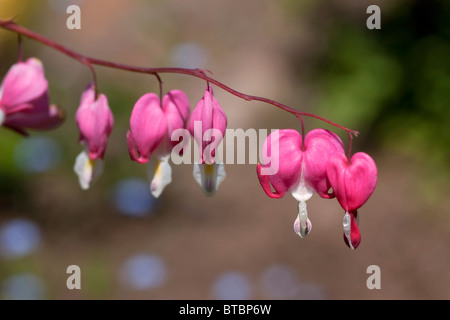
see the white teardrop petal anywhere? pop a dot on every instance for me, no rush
(87, 170)
(209, 176)
(348, 228)
(221, 174)
(302, 225)
(2, 117)
(162, 176)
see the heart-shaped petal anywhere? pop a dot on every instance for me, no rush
(148, 127)
(320, 144)
(281, 162)
(175, 106)
(353, 183)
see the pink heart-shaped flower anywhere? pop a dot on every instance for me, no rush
(353, 183)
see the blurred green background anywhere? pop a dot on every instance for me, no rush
(392, 85)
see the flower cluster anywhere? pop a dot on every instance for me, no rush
(153, 123)
(317, 164)
(24, 104)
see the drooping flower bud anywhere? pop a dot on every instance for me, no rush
(151, 128)
(207, 125)
(95, 123)
(24, 99)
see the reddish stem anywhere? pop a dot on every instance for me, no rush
(160, 88)
(350, 139)
(198, 73)
(303, 131)
(19, 48)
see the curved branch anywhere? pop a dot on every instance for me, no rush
(198, 73)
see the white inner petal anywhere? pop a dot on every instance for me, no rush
(302, 192)
(2, 117)
(221, 174)
(88, 170)
(209, 176)
(347, 224)
(162, 176)
(302, 225)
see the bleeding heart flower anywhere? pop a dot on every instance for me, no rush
(207, 125)
(151, 128)
(24, 99)
(301, 170)
(353, 183)
(95, 122)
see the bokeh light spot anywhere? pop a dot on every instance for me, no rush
(18, 238)
(132, 197)
(37, 154)
(24, 286)
(144, 271)
(232, 286)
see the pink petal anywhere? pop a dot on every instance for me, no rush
(352, 183)
(211, 116)
(24, 82)
(265, 184)
(40, 116)
(148, 127)
(319, 145)
(132, 148)
(176, 109)
(95, 122)
(287, 162)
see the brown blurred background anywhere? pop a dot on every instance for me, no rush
(392, 85)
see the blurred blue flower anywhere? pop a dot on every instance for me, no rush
(18, 237)
(144, 271)
(232, 286)
(132, 197)
(189, 55)
(37, 154)
(25, 286)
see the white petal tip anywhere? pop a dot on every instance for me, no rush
(302, 232)
(347, 229)
(209, 177)
(155, 191)
(87, 170)
(161, 178)
(2, 115)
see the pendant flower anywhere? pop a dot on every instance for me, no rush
(95, 123)
(353, 183)
(297, 168)
(151, 128)
(24, 99)
(207, 125)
